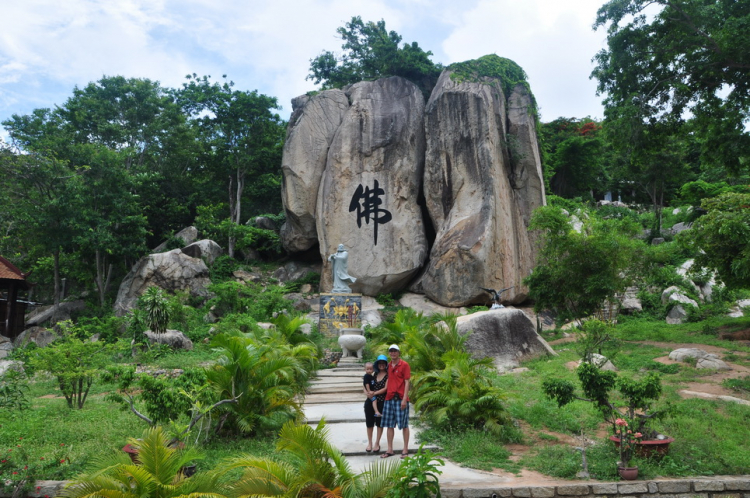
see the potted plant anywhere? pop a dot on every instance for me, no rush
(633, 406)
(627, 441)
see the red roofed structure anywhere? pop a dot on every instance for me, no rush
(12, 312)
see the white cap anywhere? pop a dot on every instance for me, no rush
(394, 346)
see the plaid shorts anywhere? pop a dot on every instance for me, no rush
(393, 414)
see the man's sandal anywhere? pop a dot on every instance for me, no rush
(386, 454)
(404, 454)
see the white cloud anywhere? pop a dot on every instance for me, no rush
(553, 42)
(48, 46)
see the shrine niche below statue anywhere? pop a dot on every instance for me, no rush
(339, 311)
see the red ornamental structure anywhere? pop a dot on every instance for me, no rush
(12, 280)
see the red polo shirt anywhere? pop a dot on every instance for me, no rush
(397, 377)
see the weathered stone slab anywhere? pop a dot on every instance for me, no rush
(370, 187)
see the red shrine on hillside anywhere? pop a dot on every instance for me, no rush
(12, 311)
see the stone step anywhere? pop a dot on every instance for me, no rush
(339, 373)
(351, 439)
(353, 379)
(330, 388)
(345, 412)
(334, 398)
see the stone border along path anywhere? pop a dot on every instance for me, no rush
(336, 394)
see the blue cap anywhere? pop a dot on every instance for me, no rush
(382, 357)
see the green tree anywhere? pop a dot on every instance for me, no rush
(156, 309)
(372, 52)
(264, 382)
(242, 138)
(75, 364)
(721, 238)
(577, 273)
(39, 208)
(575, 155)
(680, 59)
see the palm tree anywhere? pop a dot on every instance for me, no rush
(158, 474)
(461, 394)
(424, 350)
(313, 468)
(263, 379)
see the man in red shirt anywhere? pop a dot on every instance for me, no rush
(396, 407)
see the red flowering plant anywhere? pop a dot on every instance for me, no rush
(628, 440)
(19, 470)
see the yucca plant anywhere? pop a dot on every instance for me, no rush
(158, 473)
(263, 379)
(461, 395)
(312, 468)
(156, 309)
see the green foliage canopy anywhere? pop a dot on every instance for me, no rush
(372, 52)
(577, 272)
(689, 58)
(721, 238)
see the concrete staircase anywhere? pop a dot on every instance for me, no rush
(337, 396)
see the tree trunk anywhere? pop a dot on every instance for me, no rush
(103, 278)
(56, 265)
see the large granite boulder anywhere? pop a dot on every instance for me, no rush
(479, 191)
(368, 197)
(506, 335)
(311, 129)
(703, 360)
(188, 236)
(205, 249)
(171, 271)
(6, 346)
(50, 315)
(172, 338)
(40, 336)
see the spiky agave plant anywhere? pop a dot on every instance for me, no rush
(158, 473)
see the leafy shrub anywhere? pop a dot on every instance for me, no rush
(418, 476)
(264, 378)
(223, 267)
(461, 395)
(13, 391)
(75, 364)
(312, 278)
(155, 309)
(164, 399)
(249, 298)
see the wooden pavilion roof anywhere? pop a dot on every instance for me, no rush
(8, 271)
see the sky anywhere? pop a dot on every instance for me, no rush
(48, 47)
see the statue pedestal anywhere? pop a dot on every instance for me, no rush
(339, 311)
(352, 342)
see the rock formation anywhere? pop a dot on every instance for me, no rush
(369, 190)
(205, 249)
(505, 335)
(475, 196)
(171, 271)
(313, 123)
(373, 160)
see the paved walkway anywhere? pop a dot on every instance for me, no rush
(336, 394)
